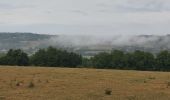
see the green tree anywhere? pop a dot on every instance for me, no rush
(39, 58)
(87, 62)
(118, 59)
(130, 61)
(15, 57)
(102, 60)
(143, 60)
(163, 61)
(54, 57)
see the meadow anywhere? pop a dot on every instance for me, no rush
(42, 83)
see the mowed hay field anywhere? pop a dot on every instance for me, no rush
(39, 83)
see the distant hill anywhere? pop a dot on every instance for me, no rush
(85, 45)
(26, 41)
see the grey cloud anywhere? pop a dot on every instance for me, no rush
(152, 6)
(124, 29)
(135, 6)
(86, 17)
(7, 6)
(80, 12)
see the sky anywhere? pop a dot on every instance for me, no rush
(98, 17)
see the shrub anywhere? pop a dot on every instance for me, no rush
(31, 85)
(108, 91)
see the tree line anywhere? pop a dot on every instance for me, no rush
(53, 57)
(138, 60)
(44, 57)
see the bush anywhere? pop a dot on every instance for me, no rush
(108, 91)
(31, 85)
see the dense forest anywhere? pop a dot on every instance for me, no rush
(52, 57)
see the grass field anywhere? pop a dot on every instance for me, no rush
(33, 83)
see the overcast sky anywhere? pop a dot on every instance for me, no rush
(86, 16)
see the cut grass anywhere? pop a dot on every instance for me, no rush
(82, 84)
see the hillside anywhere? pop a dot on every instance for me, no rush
(26, 41)
(84, 44)
(33, 83)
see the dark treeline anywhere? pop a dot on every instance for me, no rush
(55, 57)
(44, 57)
(52, 57)
(138, 60)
